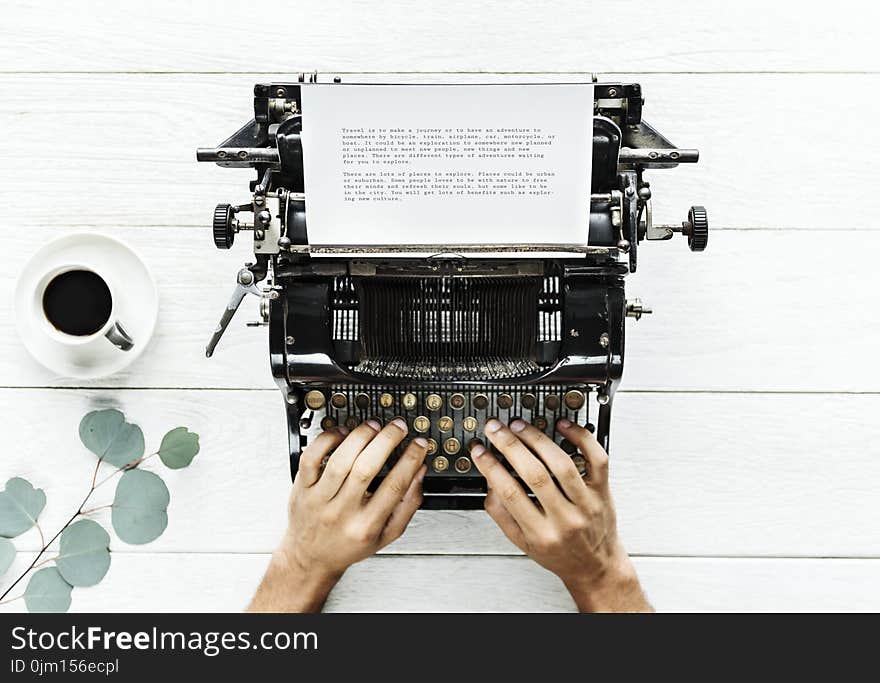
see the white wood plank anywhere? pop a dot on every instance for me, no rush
(704, 474)
(225, 583)
(759, 310)
(457, 35)
(774, 151)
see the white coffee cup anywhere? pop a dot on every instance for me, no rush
(75, 305)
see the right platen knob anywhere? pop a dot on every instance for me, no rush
(224, 226)
(697, 228)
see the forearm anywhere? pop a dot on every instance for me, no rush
(288, 587)
(617, 589)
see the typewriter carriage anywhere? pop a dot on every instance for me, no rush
(360, 325)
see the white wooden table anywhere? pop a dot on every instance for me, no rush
(746, 439)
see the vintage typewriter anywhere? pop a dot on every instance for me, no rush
(449, 340)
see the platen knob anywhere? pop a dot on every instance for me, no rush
(697, 228)
(224, 226)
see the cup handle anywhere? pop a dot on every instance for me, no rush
(119, 337)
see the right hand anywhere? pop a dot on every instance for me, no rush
(572, 531)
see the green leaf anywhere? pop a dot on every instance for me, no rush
(7, 554)
(139, 508)
(47, 591)
(106, 434)
(84, 557)
(20, 505)
(179, 447)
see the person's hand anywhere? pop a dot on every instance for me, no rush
(333, 520)
(572, 530)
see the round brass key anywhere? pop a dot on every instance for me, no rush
(315, 399)
(457, 401)
(551, 402)
(328, 423)
(581, 463)
(574, 399)
(433, 402)
(444, 424)
(386, 400)
(528, 401)
(362, 401)
(338, 400)
(440, 464)
(421, 424)
(409, 401)
(350, 422)
(469, 424)
(568, 446)
(540, 423)
(504, 401)
(432, 447)
(481, 402)
(452, 445)
(463, 465)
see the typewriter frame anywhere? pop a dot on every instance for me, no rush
(296, 303)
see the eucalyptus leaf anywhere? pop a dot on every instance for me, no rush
(84, 557)
(20, 505)
(47, 591)
(179, 447)
(106, 434)
(140, 507)
(7, 554)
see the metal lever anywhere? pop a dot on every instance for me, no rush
(246, 284)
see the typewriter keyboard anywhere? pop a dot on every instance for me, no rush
(452, 421)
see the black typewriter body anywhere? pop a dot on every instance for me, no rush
(449, 339)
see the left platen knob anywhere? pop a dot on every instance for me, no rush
(224, 226)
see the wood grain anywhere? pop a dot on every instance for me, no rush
(774, 153)
(689, 35)
(758, 311)
(708, 474)
(172, 582)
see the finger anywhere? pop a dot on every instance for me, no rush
(597, 458)
(309, 469)
(340, 462)
(397, 482)
(505, 520)
(370, 460)
(530, 469)
(557, 460)
(403, 512)
(509, 492)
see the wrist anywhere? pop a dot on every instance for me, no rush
(614, 587)
(292, 586)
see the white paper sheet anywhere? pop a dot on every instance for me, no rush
(447, 164)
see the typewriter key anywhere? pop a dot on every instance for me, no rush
(452, 446)
(315, 399)
(505, 401)
(386, 400)
(528, 401)
(568, 446)
(574, 399)
(433, 402)
(457, 401)
(338, 400)
(440, 464)
(444, 424)
(469, 424)
(481, 402)
(551, 402)
(540, 423)
(362, 401)
(421, 424)
(350, 422)
(590, 427)
(432, 446)
(581, 463)
(409, 401)
(463, 465)
(328, 423)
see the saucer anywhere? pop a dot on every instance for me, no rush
(136, 304)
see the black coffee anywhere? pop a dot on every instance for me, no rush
(77, 302)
